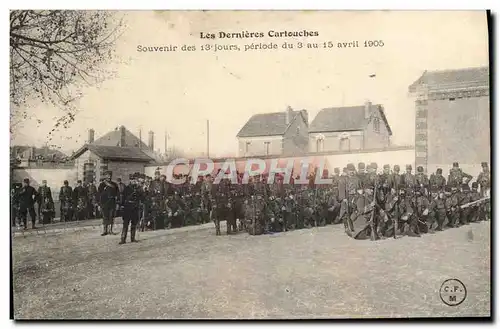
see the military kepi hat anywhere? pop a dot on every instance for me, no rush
(361, 165)
(386, 166)
(455, 164)
(439, 171)
(408, 166)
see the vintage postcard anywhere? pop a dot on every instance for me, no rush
(250, 164)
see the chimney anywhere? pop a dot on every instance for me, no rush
(306, 116)
(122, 136)
(368, 109)
(151, 140)
(91, 136)
(289, 113)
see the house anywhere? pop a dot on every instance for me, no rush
(119, 151)
(27, 156)
(351, 128)
(270, 134)
(452, 118)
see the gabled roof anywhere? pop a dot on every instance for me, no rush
(466, 78)
(349, 118)
(132, 154)
(267, 124)
(112, 138)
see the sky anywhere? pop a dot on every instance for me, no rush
(177, 92)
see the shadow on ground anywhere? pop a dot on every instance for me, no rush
(191, 273)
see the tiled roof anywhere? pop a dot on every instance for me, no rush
(266, 124)
(344, 119)
(112, 138)
(133, 154)
(453, 79)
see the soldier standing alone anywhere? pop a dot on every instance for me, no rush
(133, 195)
(108, 193)
(27, 198)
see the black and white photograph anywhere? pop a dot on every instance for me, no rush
(251, 164)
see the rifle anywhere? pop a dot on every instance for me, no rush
(373, 235)
(396, 218)
(474, 202)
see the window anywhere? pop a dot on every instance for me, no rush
(345, 143)
(320, 142)
(88, 172)
(267, 147)
(376, 125)
(247, 146)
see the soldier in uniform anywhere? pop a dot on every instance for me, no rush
(46, 211)
(395, 179)
(464, 198)
(452, 206)
(14, 195)
(121, 188)
(335, 184)
(435, 212)
(475, 212)
(256, 215)
(394, 212)
(66, 200)
(276, 221)
(347, 191)
(484, 182)
(421, 211)
(220, 201)
(27, 198)
(92, 200)
(131, 199)
(206, 198)
(108, 195)
(358, 223)
(157, 198)
(437, 181)
(385, 180)
(409, 179)
(408, 217)
(80, 199)
(361, 173)
(289, 210)
(422, 181)
(457, 177)
(175, 211)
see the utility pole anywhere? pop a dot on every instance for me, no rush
(208, 139)
(140, 138)
(166, 137)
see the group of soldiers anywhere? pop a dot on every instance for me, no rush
(371, 205)
(76, 203)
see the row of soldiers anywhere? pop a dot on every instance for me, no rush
(368, 204)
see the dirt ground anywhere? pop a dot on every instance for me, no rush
(191, 273)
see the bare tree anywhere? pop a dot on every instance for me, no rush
(53, 53)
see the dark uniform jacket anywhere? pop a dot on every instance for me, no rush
(108, 194)
(27, 197)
